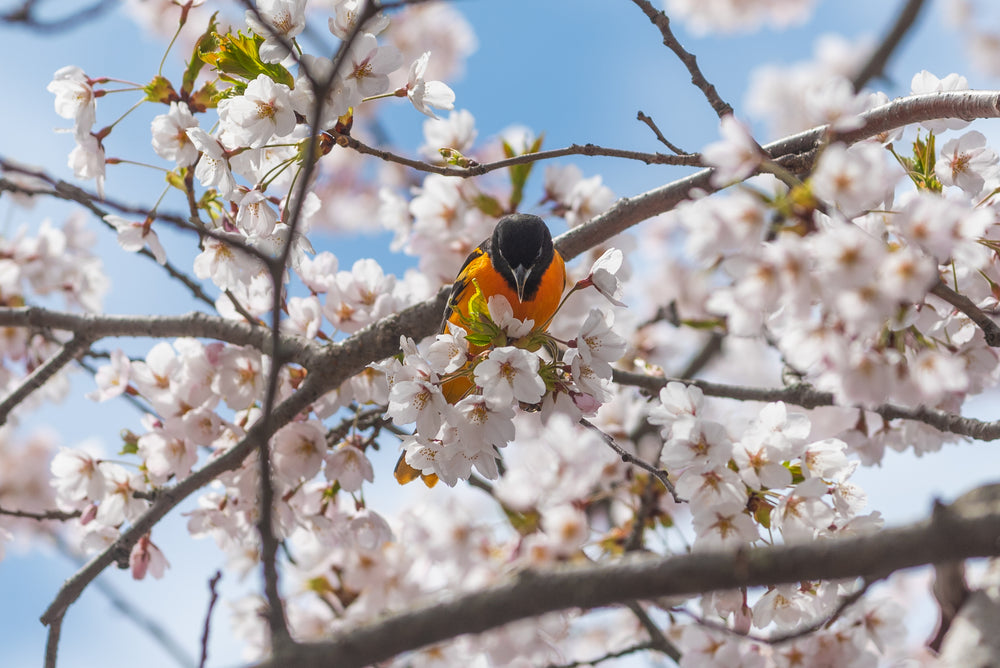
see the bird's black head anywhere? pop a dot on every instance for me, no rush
(523, 245)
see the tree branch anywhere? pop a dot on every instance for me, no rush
(807, 397)
(657, 640)
(213, 596)
(169, 497)
(662, 22)
(25, 16)
(651, 124)
(478, 169)
(629, 458)
(629, 211)
(54, 515)
(194, 323)
(875, 66)
(991, 331)
(43, 373)
(960, 531)
(625, 651)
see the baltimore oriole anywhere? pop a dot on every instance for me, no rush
(519, 262)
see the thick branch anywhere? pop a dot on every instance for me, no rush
(960, 531)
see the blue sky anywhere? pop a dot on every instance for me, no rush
(577, 70)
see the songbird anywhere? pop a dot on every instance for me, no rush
(519, 262)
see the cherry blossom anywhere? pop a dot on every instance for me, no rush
(134, 236)
(146, 558)
(370, 64)
(349, 467)
(75, 98)
(120, 503)
(426, 94)
(508, 374)
(277, 21)
(113, 378)
(255, 216)
(736, 156)
(87, 160)
(77, 477)
(925, 82)
(966, 162)
(604, 275)
(262, 112)
(170, 138)
(212, 170)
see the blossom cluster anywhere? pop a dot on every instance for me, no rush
(463, 402)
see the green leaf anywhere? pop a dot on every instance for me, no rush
(796, 471)
(488, 205)
(160, 90)
(206, 43)
(920, 167)
(479, 339)
(523, 523)
(712, 323)
(519, 173)
(477, 303)
(762, 513)
(239, 57)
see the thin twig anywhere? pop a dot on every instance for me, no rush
(991, 331)
(478, 169)
(875, 66)
(25, 16)
(711, 348)
(659, 135)
(69, 352)
(846, 601)
(361, 420)
(54, 515)
(662, 22)
(212, 598)
(280, 635)
(52, 642)
(629, 458)
(656, 637)
(808, 397)
(68, 192)
(197, 324)
(625, 651)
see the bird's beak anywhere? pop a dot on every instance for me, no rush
(520, 276)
